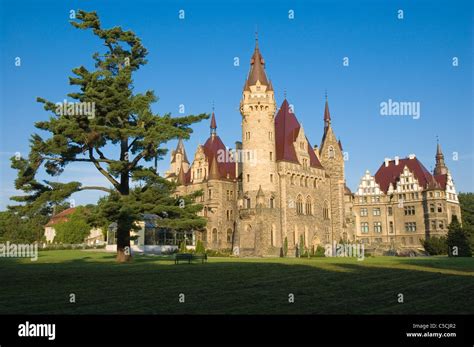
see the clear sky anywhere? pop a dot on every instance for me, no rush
(191, 62)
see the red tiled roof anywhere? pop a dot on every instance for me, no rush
(391, 173)
(287, 129)
(60, 217)
(442, 180)
(257, 70)
(212, 148)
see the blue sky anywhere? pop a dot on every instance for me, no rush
(191, 62)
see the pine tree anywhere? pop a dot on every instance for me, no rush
(458, 240)
(121, 120)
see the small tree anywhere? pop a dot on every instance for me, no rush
(182, 247)
(458, 240)
(435, 245)
(285, 246)
(301, 247)
(200, 247)
(74, 230)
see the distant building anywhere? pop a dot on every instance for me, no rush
(96, 235)
(403, 202)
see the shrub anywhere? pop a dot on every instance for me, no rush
(320, 252)
(219, 253)
(458, 240)
(435, 245)
(182, 247)
(200, 247)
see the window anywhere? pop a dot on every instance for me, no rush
(441, 224)
(271, 178)
(248, 178)
(378, 227)
(364, 227)
(409, 210)
(433, 225)
(363, 212)
(299, 204)
(271, 156)
(376, 211)
(326, 210)
(309, 207)
(440, 208)
(432, 208)
(214, 235)
(390, 211)
(229, 235)
(391, 227)
(209, 194)
(272, 202)
(247, 203)
(331, 153)
(229, 214)
(410, 226)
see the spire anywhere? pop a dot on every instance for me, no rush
(257, 69)
(181, 179)
(440, 168)
(327, 115)
(213, 123)
(340, 144)
(214, 170)
(179, 149)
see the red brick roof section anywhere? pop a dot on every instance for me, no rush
(391, 173)
(287, 129)
(60, 217)
(213, 147)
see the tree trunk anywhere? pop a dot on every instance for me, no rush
(124, 251)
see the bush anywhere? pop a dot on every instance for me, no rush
(219, 253)
(435, 245)
(182, 247)
(200, 247)
(73, 231)
(320, 252)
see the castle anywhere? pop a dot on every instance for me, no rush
(277, 192)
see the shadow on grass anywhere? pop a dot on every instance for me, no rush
(151, 285)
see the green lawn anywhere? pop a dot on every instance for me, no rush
(151, 285)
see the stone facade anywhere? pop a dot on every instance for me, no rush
(276, 191)
(403, 203)
(276, 188)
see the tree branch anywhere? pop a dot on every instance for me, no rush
(96, 188)
(102, 171)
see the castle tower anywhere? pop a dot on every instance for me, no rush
(257, 108)
(178, 159)
(332, 159)
(440, 168)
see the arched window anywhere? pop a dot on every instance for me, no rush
(214, 235)
(326, 210)
(272, 202)
(315, 183)
(229, 235)
(331, 153)
(204, 237)
(205, 211)
(309, 205)
(292, 179)
(299, 204)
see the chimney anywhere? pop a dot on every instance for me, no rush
(387, 161)
(397, 160)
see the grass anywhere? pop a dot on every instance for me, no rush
(151, 285)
